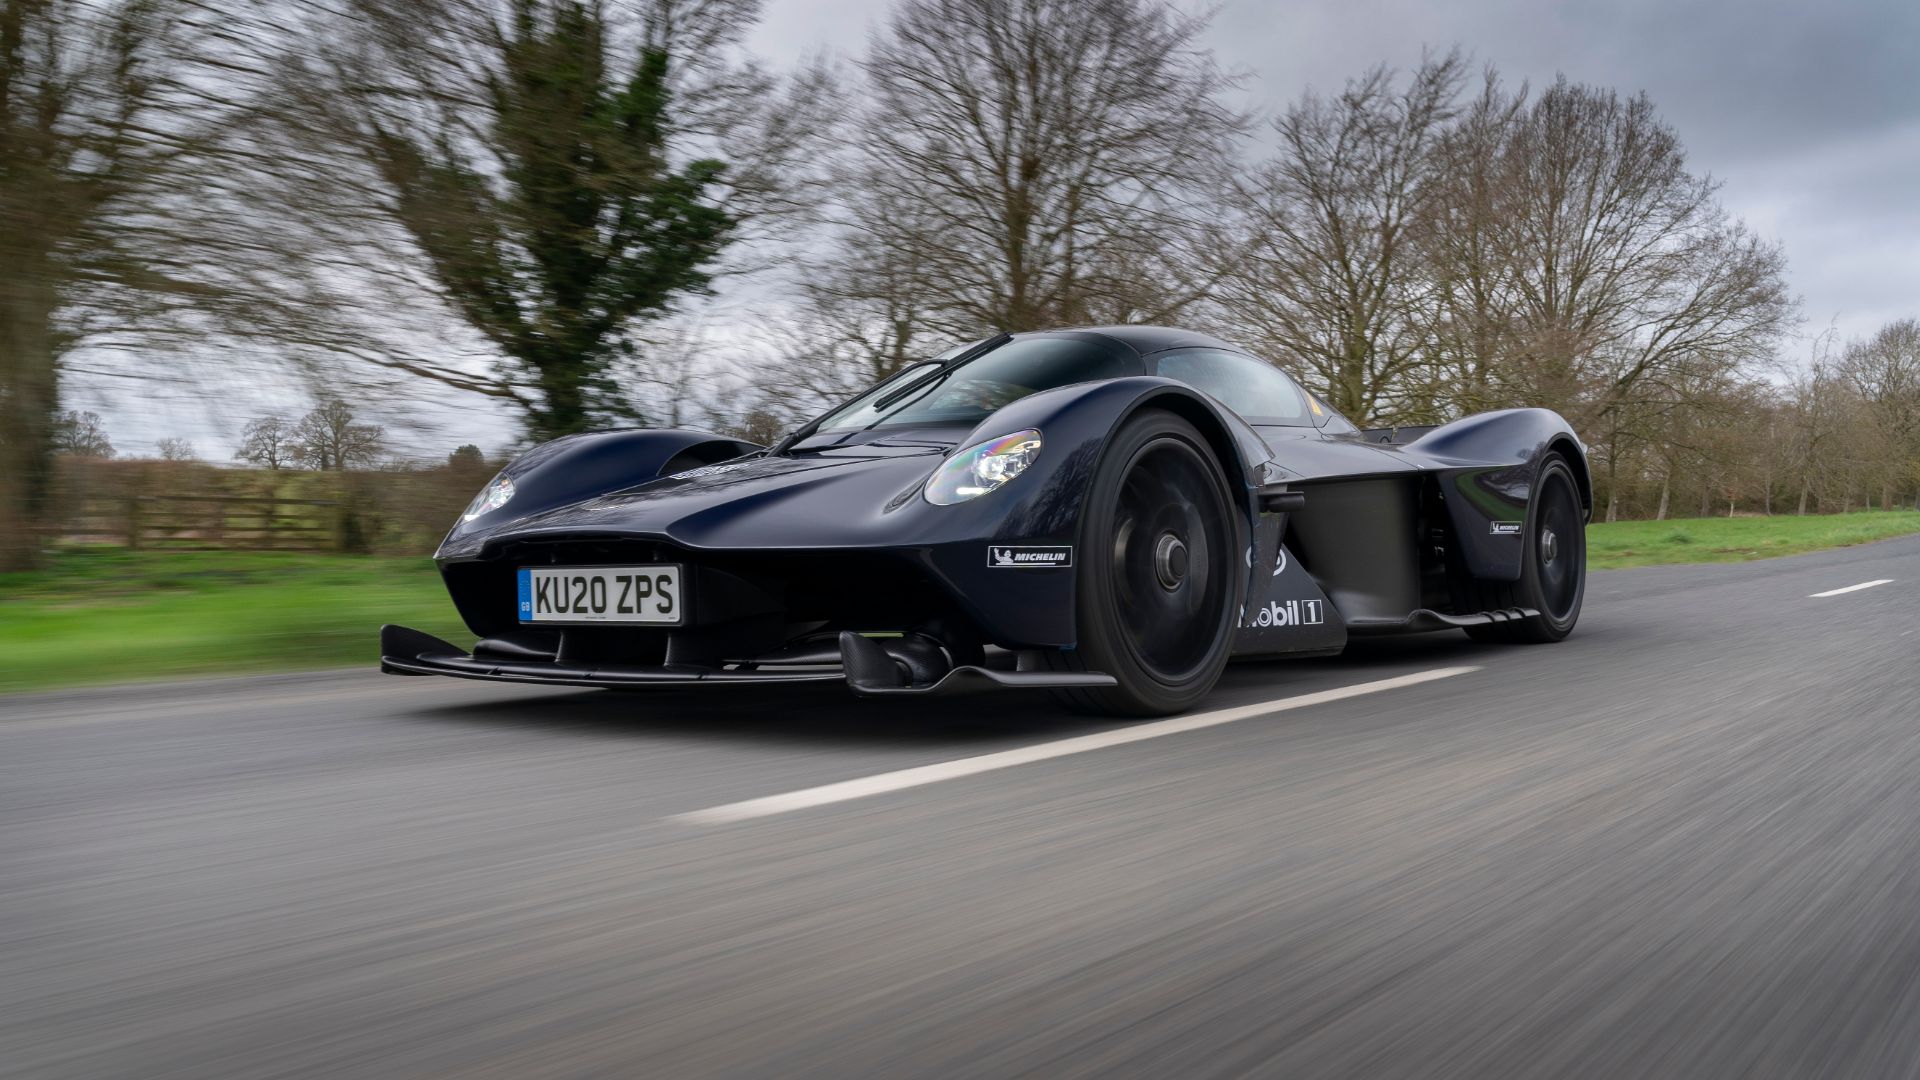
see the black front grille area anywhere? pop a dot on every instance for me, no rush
(739, 605)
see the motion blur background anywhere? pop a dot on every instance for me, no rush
(278, 276)
(282, 283)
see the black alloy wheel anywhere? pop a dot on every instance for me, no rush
(1159, 571)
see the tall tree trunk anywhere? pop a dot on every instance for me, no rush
(30, 400)
(1666, 490)
(1613, 484)
(1806, 489)
(563, 406)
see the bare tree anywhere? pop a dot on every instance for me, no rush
(1884, 370)
(175, 449)
(80, 434)
(858, 318)
(1625, 268)
(1333, 279)
(758, 426)
(329, 438)
(1822, 414)
(1040, 162)
(667, 384)
(1473, 295)
(104, 108)
(268, 442)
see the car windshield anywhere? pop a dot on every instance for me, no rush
(1260, 393)
(969, 392)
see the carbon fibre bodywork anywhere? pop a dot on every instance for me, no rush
(790, 555)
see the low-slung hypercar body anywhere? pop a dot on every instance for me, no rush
(1109, 514)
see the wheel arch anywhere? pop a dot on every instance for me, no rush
(1227, 451)
(1049, 503)
(1105, 628)
(1568, 448)
(1085, 416)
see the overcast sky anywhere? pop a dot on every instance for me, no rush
(1808, 112)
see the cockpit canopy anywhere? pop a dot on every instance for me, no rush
(940, 392)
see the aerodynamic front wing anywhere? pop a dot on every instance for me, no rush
(868, 666)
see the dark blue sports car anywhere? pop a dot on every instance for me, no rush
(1109, 514)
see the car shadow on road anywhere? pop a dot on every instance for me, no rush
(826, 715)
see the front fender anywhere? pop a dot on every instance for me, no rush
(1076, 423)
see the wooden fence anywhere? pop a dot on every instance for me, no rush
(208, 522)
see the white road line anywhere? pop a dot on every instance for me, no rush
(1851, 588)
(952, 770)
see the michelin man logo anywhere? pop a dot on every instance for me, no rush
(1022, 557)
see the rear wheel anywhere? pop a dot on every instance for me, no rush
(1553, 566)
(1159, 572)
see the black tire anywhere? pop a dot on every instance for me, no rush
(1160, 572)
(1553, 564)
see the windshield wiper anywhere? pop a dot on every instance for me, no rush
(942, 371)
(892, 396)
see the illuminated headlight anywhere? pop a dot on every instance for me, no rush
(982, 467)
(492, 497)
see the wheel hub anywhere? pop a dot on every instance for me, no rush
(1170, 561)
(1549, 546)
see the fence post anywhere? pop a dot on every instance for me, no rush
(133, 523)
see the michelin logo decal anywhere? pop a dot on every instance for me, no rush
(1289, 613)
(1002, 555)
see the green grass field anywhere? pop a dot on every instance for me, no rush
(106, 614)
(1703, 540)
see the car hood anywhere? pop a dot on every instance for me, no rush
(846, 495)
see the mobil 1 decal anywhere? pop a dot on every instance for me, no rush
(1288, 613)
(1285, 609)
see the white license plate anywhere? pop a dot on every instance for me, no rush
(601, 594)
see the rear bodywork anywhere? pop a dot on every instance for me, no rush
(827, 564)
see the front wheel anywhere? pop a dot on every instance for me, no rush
(1159, 572)
(1553, 566)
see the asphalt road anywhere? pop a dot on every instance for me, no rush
(1685, 842)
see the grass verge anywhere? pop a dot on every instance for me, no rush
(107, 614)
(1740, 539)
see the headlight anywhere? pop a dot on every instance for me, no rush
(982, 467)
(492, 497)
